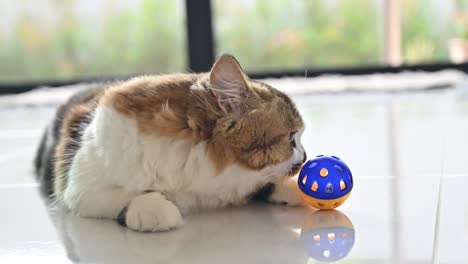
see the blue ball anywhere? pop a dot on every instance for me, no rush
(325, 180)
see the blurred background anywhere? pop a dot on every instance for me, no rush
(380, 83)
(51, 40)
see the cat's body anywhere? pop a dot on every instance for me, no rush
(151, 149)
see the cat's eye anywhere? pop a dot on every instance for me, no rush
(292, 139)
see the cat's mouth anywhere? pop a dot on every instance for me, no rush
(286, 169)
(297, 167)
(294, 169)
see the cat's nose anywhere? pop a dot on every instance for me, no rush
(305, 157)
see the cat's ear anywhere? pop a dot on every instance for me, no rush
(229, 85)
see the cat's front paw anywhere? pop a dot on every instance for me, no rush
(151, 212)
(286, 193)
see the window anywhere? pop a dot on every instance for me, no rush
(67, 40)
(279, 35)
(63, 39)
(428, 26)
(274, 35)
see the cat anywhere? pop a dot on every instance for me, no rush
(149, 150)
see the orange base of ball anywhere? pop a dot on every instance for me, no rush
(324, 204)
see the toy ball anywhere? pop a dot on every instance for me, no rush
(325, 182)
(328, 236)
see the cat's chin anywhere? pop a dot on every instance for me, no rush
(294, 170)
(282, 172)
(289, 174)
(292, 173)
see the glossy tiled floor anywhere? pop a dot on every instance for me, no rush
(408, 153)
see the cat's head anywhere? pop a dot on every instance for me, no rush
(260, 128)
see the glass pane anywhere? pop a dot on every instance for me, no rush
(430, 26)
(276, 35)
(60, 39)
(423, 31)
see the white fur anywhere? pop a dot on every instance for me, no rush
(152, 212)
(116, 165)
